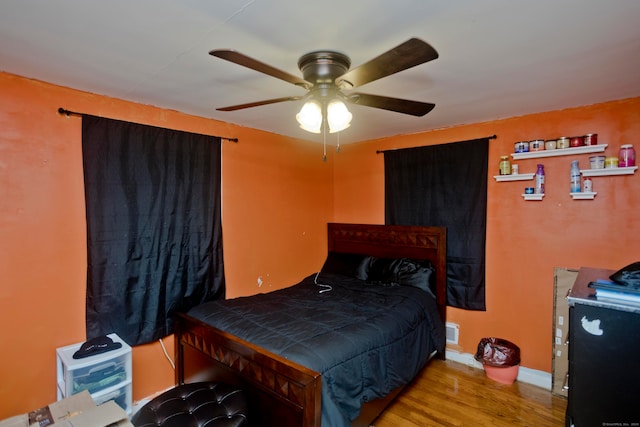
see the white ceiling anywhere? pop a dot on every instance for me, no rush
(498, 58)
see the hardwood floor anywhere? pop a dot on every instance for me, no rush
(452, 394)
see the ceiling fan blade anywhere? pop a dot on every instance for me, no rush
(245, 61)
(406, 55)
(259, 103)
(414, 108)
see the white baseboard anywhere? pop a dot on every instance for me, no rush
(139, 404)
(526, 375)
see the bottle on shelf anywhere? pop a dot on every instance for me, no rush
(626, 156)
(575, 177)
(540, 180)
(587, 185)
(505, 165)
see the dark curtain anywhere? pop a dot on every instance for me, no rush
(154, 233)
(445, 185)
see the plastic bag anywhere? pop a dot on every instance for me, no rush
(628, 276)
(497, 352)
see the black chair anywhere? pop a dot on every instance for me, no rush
(212, 404)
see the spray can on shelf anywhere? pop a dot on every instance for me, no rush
(575, 177)
(540, 180)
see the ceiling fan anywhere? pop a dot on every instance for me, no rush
(326, 74)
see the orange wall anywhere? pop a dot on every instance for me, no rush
(525, 240)
(277, 198)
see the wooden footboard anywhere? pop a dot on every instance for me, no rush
(280, 392)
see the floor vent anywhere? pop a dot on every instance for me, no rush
(453, 331)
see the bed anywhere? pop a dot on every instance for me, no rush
(326, 377)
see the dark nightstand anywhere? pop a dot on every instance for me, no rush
(604, 357)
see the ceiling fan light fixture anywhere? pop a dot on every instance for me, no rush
(338, 116)
(326, 73)
(310, 116)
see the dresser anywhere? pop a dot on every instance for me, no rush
(604, 357)
(106, 376)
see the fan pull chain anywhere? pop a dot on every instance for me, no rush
(324, 142)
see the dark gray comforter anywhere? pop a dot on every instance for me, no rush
(365, 339)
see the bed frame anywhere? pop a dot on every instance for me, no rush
(281, 392)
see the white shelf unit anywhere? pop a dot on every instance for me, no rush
(536, 197)
(515, 177)
(583, 195)
(609, 171)
(107, 376)
(585, 149)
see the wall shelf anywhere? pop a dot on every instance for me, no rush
(585, 149)
(533, 196)
(609, 171)
(514, 177)
(599, 148)
(583, 195)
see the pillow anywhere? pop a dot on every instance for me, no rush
(383, 271)
(400, 272)
(345, 264)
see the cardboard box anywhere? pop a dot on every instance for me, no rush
(78, 410)
(563, 282)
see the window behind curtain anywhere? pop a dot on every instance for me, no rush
(154, 234)
(445, 185)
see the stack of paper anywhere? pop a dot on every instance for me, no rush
(610, 290)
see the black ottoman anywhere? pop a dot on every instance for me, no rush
(209, 404)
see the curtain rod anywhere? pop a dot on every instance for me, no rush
(73, 113)
(393, 149)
